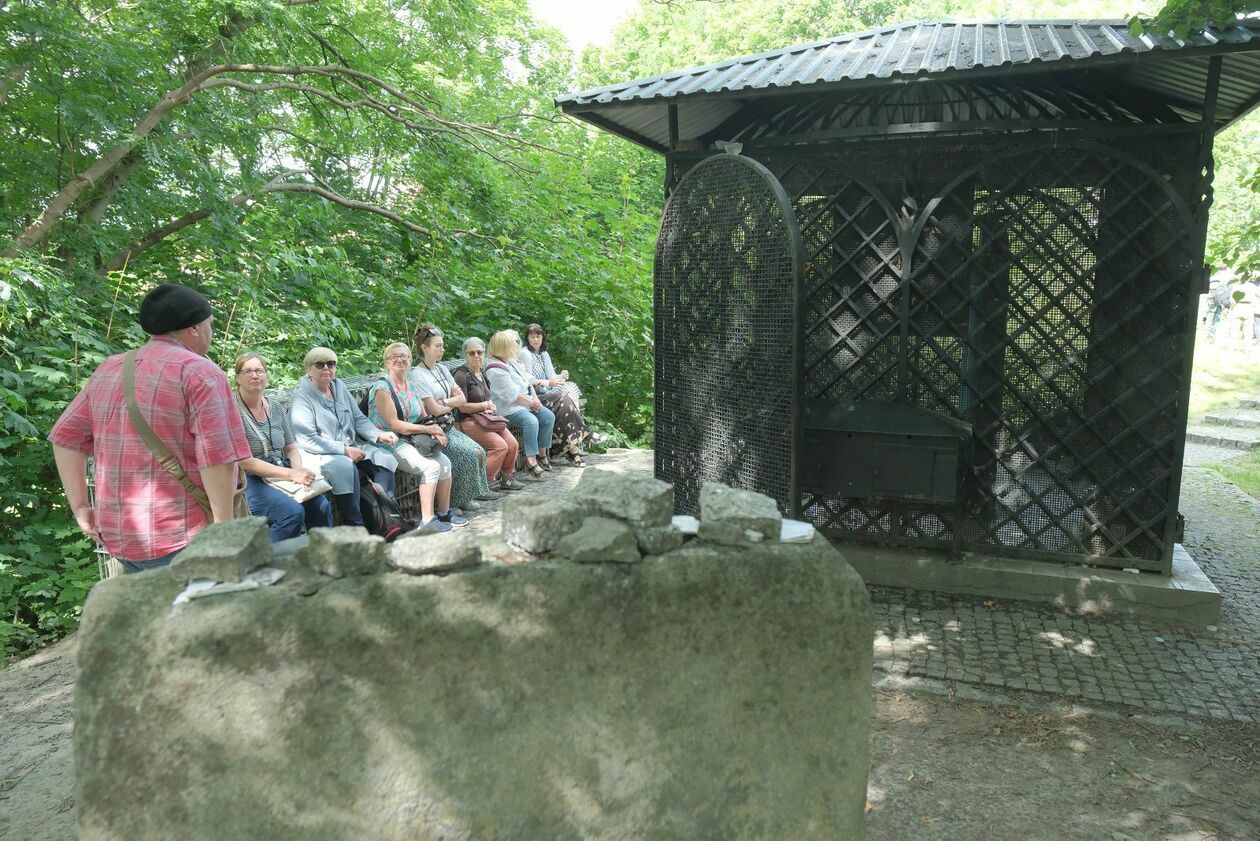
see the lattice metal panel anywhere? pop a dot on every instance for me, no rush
(1046, 301)
(726, 278)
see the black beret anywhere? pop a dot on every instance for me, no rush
(172, 307)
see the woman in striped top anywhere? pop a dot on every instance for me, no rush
(275, 455)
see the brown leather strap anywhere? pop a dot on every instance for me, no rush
(160, 451)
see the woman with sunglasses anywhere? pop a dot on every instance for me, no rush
(275, 455)
(335, 435)
(474, 419)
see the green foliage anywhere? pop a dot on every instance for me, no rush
(1234, 226)
(1181, 17)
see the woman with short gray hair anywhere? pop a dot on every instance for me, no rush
(335, 435)
(478, 419)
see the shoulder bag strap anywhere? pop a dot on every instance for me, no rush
(159, 450)
(398, 407)
(248, 417)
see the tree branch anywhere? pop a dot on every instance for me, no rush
(213, 77)
(278, 184)
(110, 185)
(11, 79)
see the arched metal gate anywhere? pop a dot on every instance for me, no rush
(727, 288)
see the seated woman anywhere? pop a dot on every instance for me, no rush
(442, 397)
(499, 444)
(557, 394)
(392, 393)
(334, 435)
(275, 456)
(512, 392)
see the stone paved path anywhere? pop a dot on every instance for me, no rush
(947, 642)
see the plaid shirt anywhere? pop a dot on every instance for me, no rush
(141, 510)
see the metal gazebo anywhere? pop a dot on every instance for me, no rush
(936, 284)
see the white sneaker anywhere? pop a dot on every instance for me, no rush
(472, 505)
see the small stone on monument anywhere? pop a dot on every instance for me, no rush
(600, 540)
(435, 553)
(741, 509)
(536, 524)
(637, 500)
(225, 552)
(344, 551)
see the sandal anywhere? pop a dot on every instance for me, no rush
(545, 461)
(536, 470)
(576, 459)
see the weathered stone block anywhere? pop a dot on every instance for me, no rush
(600, 540)
(719, 694)
(657, 540)
(745, 510)
(724, 534)
(637, 500)
(536, 524)
(225, 551)
(345, 550)
(435, 553)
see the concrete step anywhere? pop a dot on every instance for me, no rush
(1250, 402)
(1248, 418)
(1233, 437)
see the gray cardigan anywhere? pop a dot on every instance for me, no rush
(327, 427)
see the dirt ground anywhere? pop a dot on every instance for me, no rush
(941, 767)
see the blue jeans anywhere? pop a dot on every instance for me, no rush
(285, 517)
(151, 563)
(535, 427)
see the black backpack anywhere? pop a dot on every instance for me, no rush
(381, 514)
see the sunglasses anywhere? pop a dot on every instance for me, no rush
(327, 363)
(476, 352)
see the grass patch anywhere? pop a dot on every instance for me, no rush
(1221, 377)
(1243, 472)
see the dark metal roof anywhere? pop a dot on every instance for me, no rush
(1168, 68)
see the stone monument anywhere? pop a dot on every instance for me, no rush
(600, 675)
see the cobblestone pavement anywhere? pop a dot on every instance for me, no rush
(945, 643)
(1153, 668)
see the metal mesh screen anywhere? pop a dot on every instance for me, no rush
(726, 268)
(1044, 297)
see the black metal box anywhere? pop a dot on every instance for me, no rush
(881, 450)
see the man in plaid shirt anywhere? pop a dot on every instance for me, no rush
(143, 515)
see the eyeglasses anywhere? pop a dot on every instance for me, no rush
(253, 372)
(325, 363)
(476, 352)
(399, 357)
